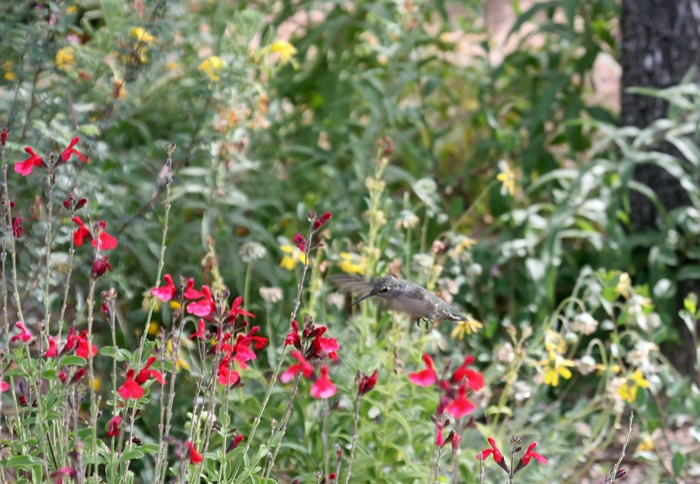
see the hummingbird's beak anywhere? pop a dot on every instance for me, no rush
(369, 294)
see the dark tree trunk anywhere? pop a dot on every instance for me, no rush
(660, 43)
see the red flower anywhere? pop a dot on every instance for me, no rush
(303, 366)
(147, 373)
(293, 336)
(3, 135)
(497, 456)
(17, 226)
(227, 376)
(424, 378)
(65, 156)
(100, 266)
(71, 340)
(4, 386)
(367, 383)
(236, 309)
(456, 439)
(474, 378)
(190, 292)
(530, 454)
(24, 334)
(59, 474)
(200, 331)
(235, 442)
(439, 433)
(195, 457)
(62, 376)
(461, 405)
(83, 346)
(130, 389)
(300, 242)
(104, 241)
(323, 387)
(25, 167)
(325, 346)
(78, 375)
(203, 307)
(113, 426)
(167, 292)
(81, 233)
(51, 351)
(321, 221)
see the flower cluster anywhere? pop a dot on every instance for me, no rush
(312, 346)
(454, 390)
(26, 166)
(498, 457)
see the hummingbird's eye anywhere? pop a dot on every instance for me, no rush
(384, 289)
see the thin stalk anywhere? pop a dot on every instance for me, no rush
(324, 437)
(356, 423)
(283, 425)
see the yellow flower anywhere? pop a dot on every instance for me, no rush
(142, 35)
(353, 263)
(9, 75)
(463, 328)
(293, 256)
(153, 328)
(646, 444)
(172, 66)
(285, 50)
(554, 367)
(554, 342)
(174, 304)
(72, 9)
(615, 368)
(96, 384)
(65, 59)
(181, 362)
(507, 178)
(211, 66)
(628, 390)
(624, 285)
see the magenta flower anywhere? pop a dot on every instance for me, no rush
(323, 387)
(303, 366)
(427, 377)
(24, 334)
(25, 167)
(167, 292)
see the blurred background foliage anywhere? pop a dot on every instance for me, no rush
(277, 108)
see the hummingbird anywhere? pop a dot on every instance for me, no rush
(398, 295)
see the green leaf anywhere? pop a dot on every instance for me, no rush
(134, 454)
(72, 360)
(24, 462)
(677, 462)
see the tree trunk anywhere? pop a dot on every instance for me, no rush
(660, 43)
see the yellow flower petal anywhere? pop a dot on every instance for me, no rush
(211, 66)
(65, 59)
(285, 50)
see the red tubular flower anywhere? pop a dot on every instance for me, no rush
(367, 383)
(325, 347)
(81, 233)
(191, 293)
(195, 457)
(424, 378)
(497, 455)
(147, 373)
(65, 156)
(235, 443)
(100, 266)
(24, 334)
(200, 331)
(113, 426)
(4, 386)
(456, 439)
(25, 167)
(131, 389)
(203, 307)
(461, 405)
(439, 434)
(300, 241)
(3, 135)
(236, 309)
(303, 366)
(84, 349)
(293, 336)
(323, 387)
(104, 241)
(59, 474)
(534, 455)
(474, 378)
(321, 221)
(167, 292)
(227, 376)
(17, 226)
(71, 340)
(51, 351)
(78, 375)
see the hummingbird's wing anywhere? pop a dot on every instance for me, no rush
(352, 284)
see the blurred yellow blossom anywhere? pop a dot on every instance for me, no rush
(463, 328)
(285, 50)
(554, 342)
(181, 362)
(211, 66)
(624, 285)
(506, 177)
(352, 263)
(293, 256)
(153, 328)
(628, 390)
(65, 59)
(142, 35)
(9, 74)
(464, 244)
(96, 384)
(614, 368)
(555, 366)
(72, 9)
(646, 444)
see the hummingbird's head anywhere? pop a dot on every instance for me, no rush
(385, 287)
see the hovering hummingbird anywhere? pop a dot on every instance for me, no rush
(398, 295)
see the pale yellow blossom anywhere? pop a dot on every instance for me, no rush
(285, 50)
(211, 67)
(293, 255)
(628, 390)
(352, 263)
(506, 177)
(555, 366)
(466, 327)
(65, 59)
